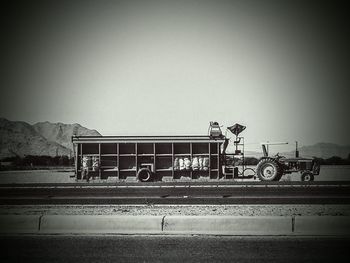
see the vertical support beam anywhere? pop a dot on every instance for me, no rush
(81, 158)
(209, 160)
(118, 162)
(136, 152)
(172, 160)
(243, 156)
(218, 159)
(99, 161)
(191, 157)
(76, 157)
(154, 158)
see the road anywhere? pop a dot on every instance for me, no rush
(178, 193)
(172, 249)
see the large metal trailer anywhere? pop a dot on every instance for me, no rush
(148, 157)
(155, 158)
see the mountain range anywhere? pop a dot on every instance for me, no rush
(323, 150)
(18, 138)
(320, 150)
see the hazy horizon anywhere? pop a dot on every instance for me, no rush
(170, 67)
(250, 148)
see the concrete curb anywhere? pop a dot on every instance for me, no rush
(322, 225)
(228, 225)
(174, 225)
(101, 224)
(19, 223)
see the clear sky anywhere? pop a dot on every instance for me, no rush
(170, 67)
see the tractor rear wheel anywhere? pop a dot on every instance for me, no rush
(307, 177)
(269, 170)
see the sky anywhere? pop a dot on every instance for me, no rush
(170, 67)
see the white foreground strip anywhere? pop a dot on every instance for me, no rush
(19, 223)
(228, 225)
(322, 225)
(87, 224)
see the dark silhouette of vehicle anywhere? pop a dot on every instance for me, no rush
(157, 158)
(273, 168)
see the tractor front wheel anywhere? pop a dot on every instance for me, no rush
(307, 177)
(269, 170)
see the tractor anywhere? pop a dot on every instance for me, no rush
(273, 168)
(269, 168)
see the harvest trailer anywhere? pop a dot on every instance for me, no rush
(154, 158)
(148, 157)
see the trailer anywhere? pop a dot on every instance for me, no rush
(148, 157)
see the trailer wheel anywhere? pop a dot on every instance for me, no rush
(269, 170)
(144, 175)
(307, 177)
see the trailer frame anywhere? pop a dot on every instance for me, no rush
(124, 156)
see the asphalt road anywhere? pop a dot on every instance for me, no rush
(281, 193)
(172, 249)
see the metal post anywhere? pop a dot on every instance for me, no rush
(173, 160)
(218, 159)
(118, 162)
(81, 158)
(136, 158)
(99, 161)
(154, 158)
(76, 148)
(191, 159)
(209, 160)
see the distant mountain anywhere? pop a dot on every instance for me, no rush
(320, 150)
(45, 138)
(19, 138)
(323, 150)
(62, 133)
(253, 154)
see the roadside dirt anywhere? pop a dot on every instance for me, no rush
(232, 210)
